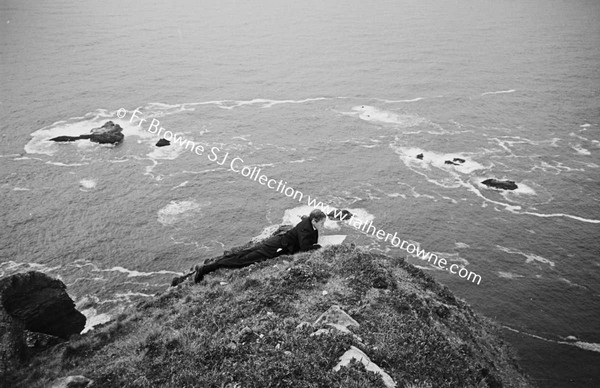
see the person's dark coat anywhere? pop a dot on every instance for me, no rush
(302, 237)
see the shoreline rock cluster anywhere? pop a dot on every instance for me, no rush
(492, 182)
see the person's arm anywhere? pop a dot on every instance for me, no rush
(307, 239)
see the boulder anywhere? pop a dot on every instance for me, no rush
(459, 160)
(420, 156)
(451, 162)
(498, 184)
(41, 303)
(109, 133)
(163, 143)
(345, 215)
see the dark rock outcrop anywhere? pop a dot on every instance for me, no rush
(41, 303)
(109, 133)
(498, 184)
(459, 160)
(64, 139)
(12, 342)
(163, 143)
(420, 156)
(451, 162)
(345, 215)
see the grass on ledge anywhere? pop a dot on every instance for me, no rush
(246, 333)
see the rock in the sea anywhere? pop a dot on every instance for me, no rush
(459, 160)
(343, 215)
(163, 143)
(64, 139)
(504, 185)
(420, 156)
(451, 162)
(41, 303)
(72, 382)
(109, 133)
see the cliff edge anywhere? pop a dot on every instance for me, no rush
(336, 317)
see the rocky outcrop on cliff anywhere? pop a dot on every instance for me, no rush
(33, 302)
(41, 303)
(378, 322)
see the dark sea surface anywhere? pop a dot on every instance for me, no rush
(335, 99)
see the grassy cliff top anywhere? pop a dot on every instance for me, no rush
(244, 328)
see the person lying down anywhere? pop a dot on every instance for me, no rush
(301, 238)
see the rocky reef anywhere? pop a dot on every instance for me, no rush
(109, 133)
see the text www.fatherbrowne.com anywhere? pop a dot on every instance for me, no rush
(236, 164)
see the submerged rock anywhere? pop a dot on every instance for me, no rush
(499, 184)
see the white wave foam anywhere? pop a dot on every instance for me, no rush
(530, 257)
(394, 101)
(499, 92)
(66, 164)
(20, 189)
(594, 347)
(508, 275)
(176, 211)
(183, 184)
(408, 155)
(461, 245)
(93, 319)
(129, 294)
(167, 153)
(132, 273)
(580, 150)
(263, 102)
(373, 114)
(88, 184)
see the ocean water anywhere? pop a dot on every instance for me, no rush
(335, 100)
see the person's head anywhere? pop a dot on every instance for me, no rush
(317, 218)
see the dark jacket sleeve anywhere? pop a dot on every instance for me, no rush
(301, 237)
(307, 236)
